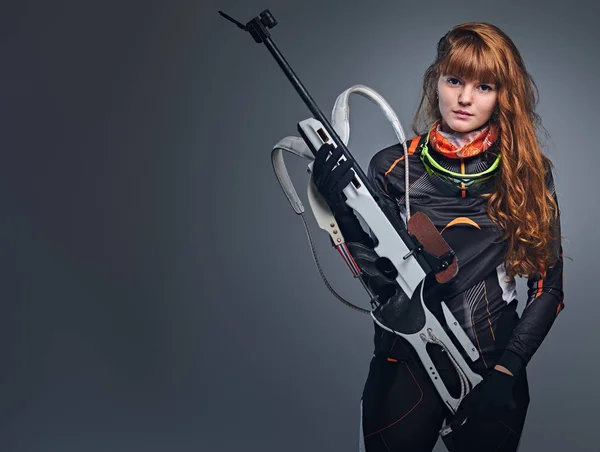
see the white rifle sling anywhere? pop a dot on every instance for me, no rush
(340, 121)
(320, 209)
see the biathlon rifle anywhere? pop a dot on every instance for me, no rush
(415, 249)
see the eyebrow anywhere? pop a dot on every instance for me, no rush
(478, 81)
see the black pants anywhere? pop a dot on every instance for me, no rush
(402, 411)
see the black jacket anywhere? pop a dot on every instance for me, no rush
(479, 297)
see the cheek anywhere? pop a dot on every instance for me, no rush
(490, 104)
(443, 98)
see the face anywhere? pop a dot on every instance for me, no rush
(465, 104)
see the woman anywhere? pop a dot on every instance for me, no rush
(477, 171)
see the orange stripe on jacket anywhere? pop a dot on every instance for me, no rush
(413, 145)
(461, 220)
(411, 151)
(540, 282)
(540, 285)
(393, 165)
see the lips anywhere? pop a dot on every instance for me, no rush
(462, 113)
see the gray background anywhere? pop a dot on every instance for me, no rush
(158, 292)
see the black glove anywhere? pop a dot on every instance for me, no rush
(330, 183)
(486, 400)
(379, 274)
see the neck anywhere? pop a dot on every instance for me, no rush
(446, 129)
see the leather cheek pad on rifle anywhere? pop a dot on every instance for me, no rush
(433, 247)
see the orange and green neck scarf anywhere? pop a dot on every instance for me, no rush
(460, 145)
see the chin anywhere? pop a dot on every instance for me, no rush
(462, 126)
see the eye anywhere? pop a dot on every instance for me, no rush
(485, 88)
(452, 81)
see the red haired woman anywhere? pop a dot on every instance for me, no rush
(478, 172)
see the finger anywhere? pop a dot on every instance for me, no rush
(322, 165)
(322, 154)
(341, 176)
(343, 168)
(331, 161)
(462, 413)
(459, 420)
(330, 179)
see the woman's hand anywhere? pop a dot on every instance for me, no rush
(486, 400)
(330, 182)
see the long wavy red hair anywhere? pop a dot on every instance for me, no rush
(521, 203)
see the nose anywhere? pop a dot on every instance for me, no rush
(465, 97)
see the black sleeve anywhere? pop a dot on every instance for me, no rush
(385, 161)
(544, 302)
(351, 228)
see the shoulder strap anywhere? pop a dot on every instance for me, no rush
(416, 144)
